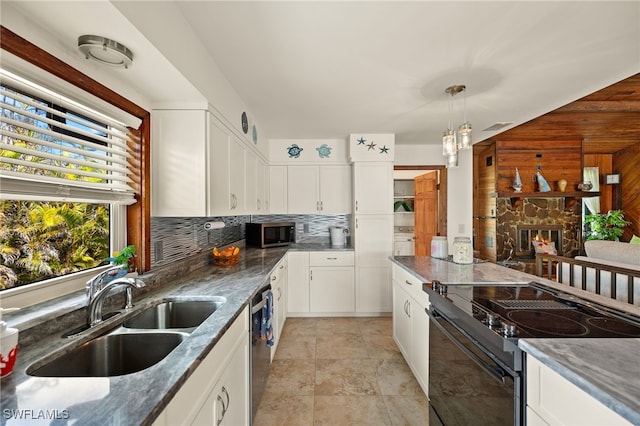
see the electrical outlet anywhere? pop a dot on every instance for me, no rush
(157, 250)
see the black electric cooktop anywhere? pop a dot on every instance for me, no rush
(535, 311)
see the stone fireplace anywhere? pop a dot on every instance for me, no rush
(519, 221)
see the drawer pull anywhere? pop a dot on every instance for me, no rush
(408, 282)
(332, 258)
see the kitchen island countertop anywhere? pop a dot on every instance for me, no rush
(607, 369)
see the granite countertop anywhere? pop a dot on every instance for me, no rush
(134, 399)
(607, 369)
(318, 246)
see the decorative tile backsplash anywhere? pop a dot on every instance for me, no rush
(176, 238)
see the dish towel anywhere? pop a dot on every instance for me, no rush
(266, 328)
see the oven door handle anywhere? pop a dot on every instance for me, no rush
(494, 370)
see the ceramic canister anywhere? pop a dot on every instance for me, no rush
(8, 347)
(439, 247)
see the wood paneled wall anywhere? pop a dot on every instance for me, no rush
(558, 159)
(627, 163)
(605, 164)
(484, 200)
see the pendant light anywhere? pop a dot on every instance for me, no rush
(453, 141)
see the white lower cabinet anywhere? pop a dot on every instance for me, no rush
(217, 393)
(279, 289)
(321, 283)
(411, 324)
(373, 246)
(297, 283)
(331, 282)
(554, 400)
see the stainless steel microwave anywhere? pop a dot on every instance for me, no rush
(265, 235)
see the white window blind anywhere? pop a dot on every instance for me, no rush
(53, 148)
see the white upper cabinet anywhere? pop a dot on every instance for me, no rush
(373, 188)
(277, 189)
(319, 189)
(202, 168)
(179, 163)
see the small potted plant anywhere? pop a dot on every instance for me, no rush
(125, 258)
(605, 226)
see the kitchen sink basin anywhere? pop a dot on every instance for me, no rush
(111, 355)
(175, 314)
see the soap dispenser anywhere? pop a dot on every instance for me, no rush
(8, 345)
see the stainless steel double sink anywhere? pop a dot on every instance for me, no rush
(134, 345)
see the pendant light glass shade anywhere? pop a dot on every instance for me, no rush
(449, 144)
(465, 136)
(453, 141)
(452, 160)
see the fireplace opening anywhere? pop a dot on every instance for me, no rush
(526, 234)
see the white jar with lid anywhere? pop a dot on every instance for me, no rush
(8, 345)
(439, 247)
(462, 250)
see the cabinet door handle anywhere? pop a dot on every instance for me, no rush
(274, 277)
(356, 205)
(279, 293)
(408, 282)
(318, 206)
(321, 205)
(311, 274)
(409, 308)
(281, 266)
(405, 306)
(224, 410)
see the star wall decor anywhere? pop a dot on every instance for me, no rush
(324, 151)
(384, 150)
(361, 141)
(371, 146)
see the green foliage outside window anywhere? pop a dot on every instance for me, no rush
(40, 240)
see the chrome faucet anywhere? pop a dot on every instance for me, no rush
(94, 285)
(94, 309)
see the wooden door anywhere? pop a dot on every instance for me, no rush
(426, 211)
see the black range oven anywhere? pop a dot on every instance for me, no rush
(476, 370)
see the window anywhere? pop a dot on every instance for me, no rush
(65, 175)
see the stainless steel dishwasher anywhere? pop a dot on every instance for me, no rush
(260, 352)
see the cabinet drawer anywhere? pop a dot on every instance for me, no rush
(411, 284)
(331, 258)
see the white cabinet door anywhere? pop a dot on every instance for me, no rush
(373, 245)
(237, 177)
(557, 401)
(411, 325)
(297, 282)
(251, 175)
(373, 188)
(231, 405)
(262, 187)
(278, 287)
(402, 321)
(303, 190)
(199, 400)
(227, 173)
(332, 289)
(420, 344)
(335, 189)
(278, 189)
(179, 163)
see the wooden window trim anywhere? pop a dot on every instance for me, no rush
(138, 214)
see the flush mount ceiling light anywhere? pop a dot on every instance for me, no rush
(453, 141)
(105, 51)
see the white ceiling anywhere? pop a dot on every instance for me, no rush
(326, 69)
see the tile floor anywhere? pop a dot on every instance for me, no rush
(340, 372)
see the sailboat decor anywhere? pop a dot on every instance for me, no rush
(517, 182)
